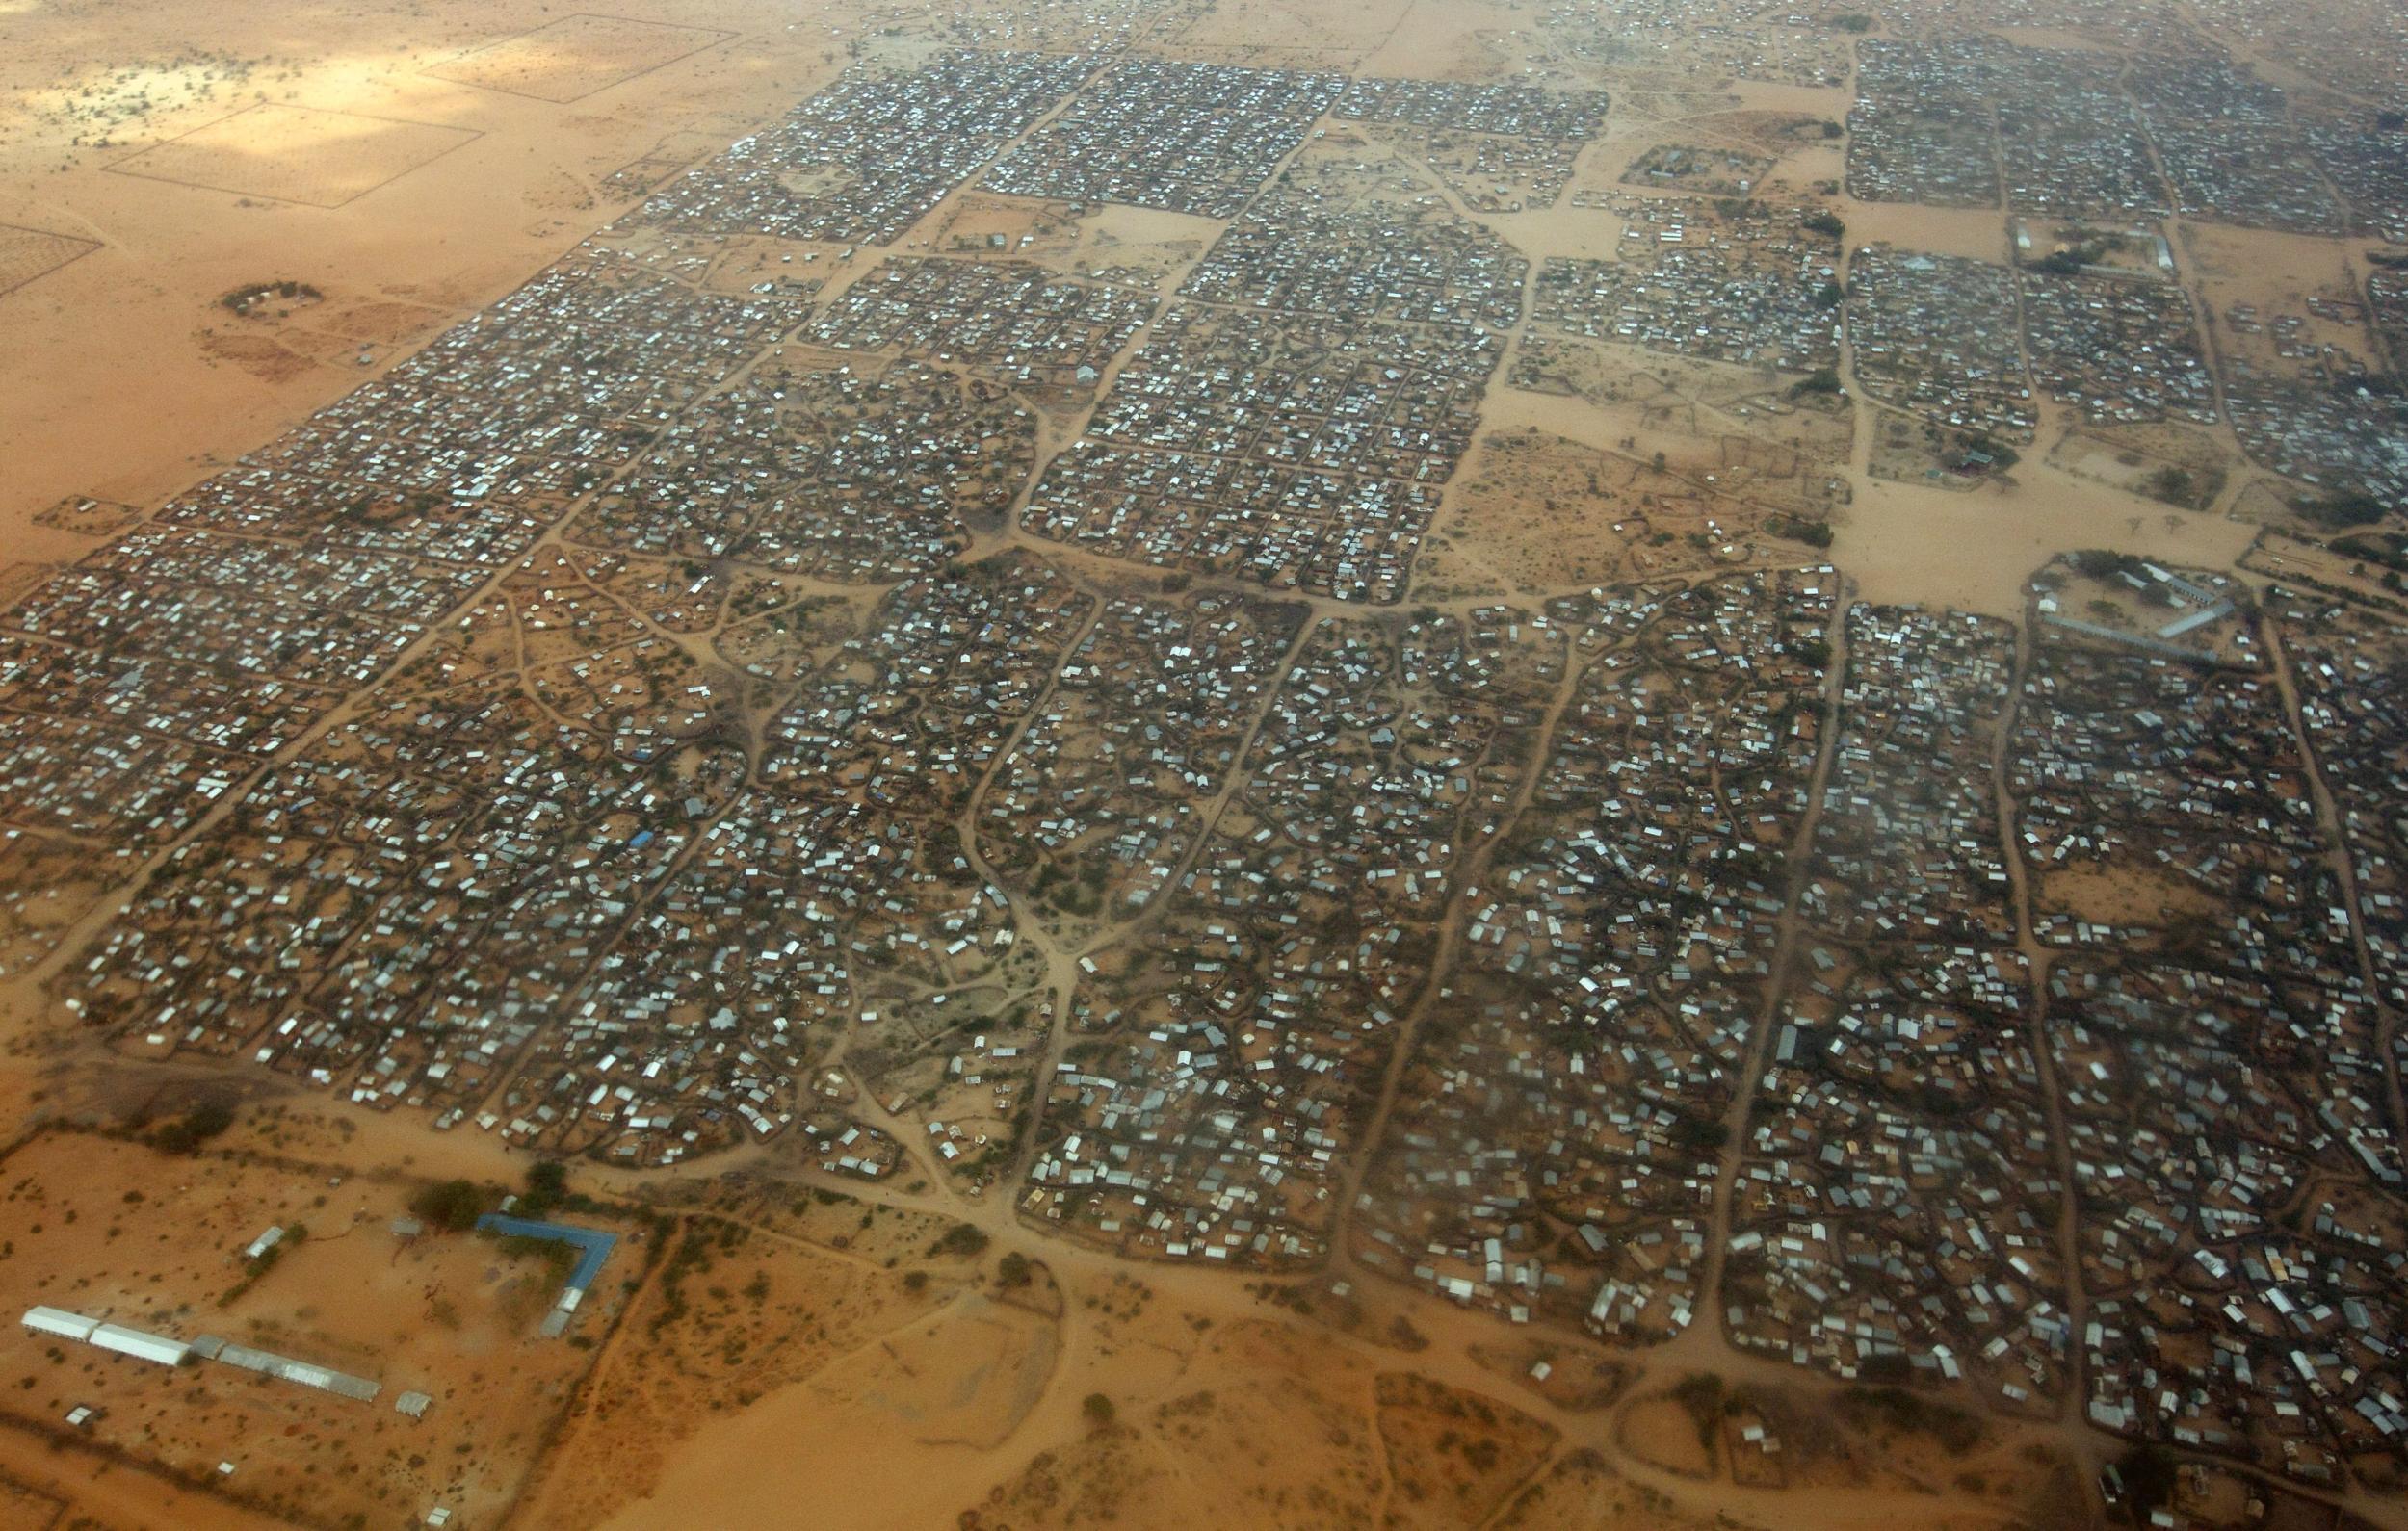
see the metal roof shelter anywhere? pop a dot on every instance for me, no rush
(269, 1364)
(596, 1246)
(58, 1321)
(140, 1344)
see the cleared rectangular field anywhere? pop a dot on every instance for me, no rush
(295, 154)
(26, 253)
(575, 57)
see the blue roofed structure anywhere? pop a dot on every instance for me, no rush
(593, 1244)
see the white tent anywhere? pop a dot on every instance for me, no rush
(58, 1321)
(135, 1342)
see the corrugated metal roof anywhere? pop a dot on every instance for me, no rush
(58, 1321)
(143, 1345)
(323, 1378)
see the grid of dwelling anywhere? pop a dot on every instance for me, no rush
(550, 877)
(670, 699)
(2229, 1118)
(1747, 282)
(866, 158)
(1972, 121)
(1227, 1045)
(1556, 1144)
(1503, 149)
(1949, 338)
(1189, 137)
(472, 897)
(481, 892)
(152, 678)
(2222, 1192)
(1292, 419)
(2318, 392)
(1898, 1204)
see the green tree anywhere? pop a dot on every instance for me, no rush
(451, 1206)
(547, 1185)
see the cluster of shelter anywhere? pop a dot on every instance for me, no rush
(1969, 121)
(1503, 149)
(599, 723)
(830, 472)
(868, 157)
(1286, 448)
(1899, 1206)
(1248, 1024)
(1556, 1139)
(1191, 138)
(1756, 285)
(2215, 1038)
(1019, 322)
(2118, 349)
(1940, 335)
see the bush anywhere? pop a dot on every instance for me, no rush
(1700, 1394)
(1099, 1411)
(1013, 1269)
(2346, 510)
(547, 1185)
(965, 1239)
(451, 1206)
(2149, 1474)
(1698, 1133)
(2171, 484)
(1890, 1366)
(198, 1125)
(1956, 1430)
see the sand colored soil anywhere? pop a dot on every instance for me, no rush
(1455, 1456)
(221, 146)
(1660, 1431)
(116, 1229)
(295, 154)
(574, 57)
(1580, 1490)
(26, 253)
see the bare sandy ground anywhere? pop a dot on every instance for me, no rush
(1905, 543)
(335, 159)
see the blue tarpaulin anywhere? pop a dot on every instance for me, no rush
(596, 1244)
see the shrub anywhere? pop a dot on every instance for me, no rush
(547, 1183)
(965, 1239)
(450, 1205)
